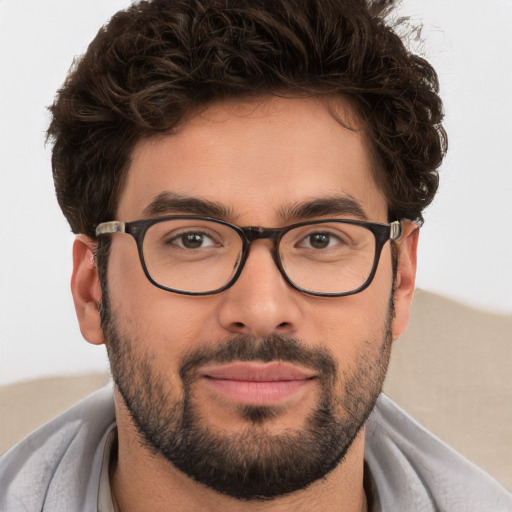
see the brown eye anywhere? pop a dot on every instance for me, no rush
(192, 240)
(319, 240)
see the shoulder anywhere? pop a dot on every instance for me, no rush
(414, 470)
(64, 454)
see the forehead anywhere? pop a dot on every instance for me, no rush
(256, 159)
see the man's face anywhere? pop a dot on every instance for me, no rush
(258, 390)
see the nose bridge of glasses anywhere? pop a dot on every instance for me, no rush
(253, 233)
(258, 233)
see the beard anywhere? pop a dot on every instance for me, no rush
(254, 463)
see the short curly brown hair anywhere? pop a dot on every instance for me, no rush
(159, 60)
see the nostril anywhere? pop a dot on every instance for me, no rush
(284, 324)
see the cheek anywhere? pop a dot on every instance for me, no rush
(164, 323)
(347, 323)
(354, 321)
(126, 278)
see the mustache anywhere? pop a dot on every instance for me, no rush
(267, 349)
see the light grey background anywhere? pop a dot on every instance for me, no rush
(465, 247)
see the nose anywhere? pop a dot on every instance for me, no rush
(261, 302)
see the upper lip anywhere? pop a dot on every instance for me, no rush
(257, 372)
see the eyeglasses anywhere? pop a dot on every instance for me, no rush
(200, 256)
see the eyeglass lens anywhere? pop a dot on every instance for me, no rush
(199, 256)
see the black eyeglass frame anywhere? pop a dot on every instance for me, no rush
(138, 229)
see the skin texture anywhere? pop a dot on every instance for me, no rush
(257, 160)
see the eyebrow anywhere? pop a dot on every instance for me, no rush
(169, 203)
(340, 206)
(172, 203)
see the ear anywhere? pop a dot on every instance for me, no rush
(86, 290)
(405, 278)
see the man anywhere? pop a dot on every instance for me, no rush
(246, 180)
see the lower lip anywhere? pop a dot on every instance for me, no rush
(258, 392)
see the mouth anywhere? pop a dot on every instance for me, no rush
(257, 384)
